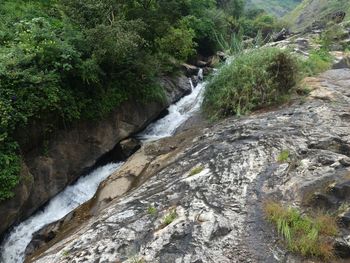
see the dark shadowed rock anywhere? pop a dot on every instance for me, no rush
(282, 35)
(190, 70)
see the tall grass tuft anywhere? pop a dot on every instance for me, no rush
(308, 236)
(256, 78)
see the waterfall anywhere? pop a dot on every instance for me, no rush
(14, 246)
(178, 114)
(13, 249)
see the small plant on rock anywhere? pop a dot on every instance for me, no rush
(151, 210)
(169, 218)
(283, 156)
(196, 170)
(65, 253)
(137, 260)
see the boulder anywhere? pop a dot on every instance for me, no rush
(282, 35)
(189, 70)
(129, 146)
(338, 16)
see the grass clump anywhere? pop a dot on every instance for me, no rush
(308, 236)
(137, 260)
(151, 210)
(283, 156)
(65, 253)
(255, 79)
(196, 170)
(318, 62)
(169, 218)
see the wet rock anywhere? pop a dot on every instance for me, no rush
(130, 146)
(345, 219)
(219, 209)
(202, 64)
(190, 70)
(74, 150)
(342, 248)
(207, 71)
(222, 56)
(195, 80)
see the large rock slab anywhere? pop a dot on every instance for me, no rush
(218, 205)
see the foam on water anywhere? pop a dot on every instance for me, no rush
(13, 248)
(178, 114)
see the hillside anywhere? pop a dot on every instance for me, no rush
(313, 10)
(275, 7)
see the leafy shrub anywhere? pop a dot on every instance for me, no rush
(333, 34)
(318, 61)
(178, 42)
(309, 236)
(253, 80)
(10, 165)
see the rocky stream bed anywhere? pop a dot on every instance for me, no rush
(217, 210)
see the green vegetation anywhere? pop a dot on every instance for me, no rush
(318, 61)
(196, 170)
(283, 156)
(274, 7)
(151, 210)
(308, 236)
(255, 79)
(309, 11)
(169, 218)
(137, 260)
(65, 253)
(67, 60)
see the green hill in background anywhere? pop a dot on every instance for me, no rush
(310, 11)
(276, 7)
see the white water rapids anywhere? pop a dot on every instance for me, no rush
(13, 247)
(178, 114)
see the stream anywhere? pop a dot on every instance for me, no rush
(13, 248)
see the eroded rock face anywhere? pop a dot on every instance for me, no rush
(76, 149)
(218, 205)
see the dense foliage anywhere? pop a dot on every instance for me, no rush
(254, 79)
(66, 60)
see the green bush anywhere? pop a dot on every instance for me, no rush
(178, 42)
(317, 62)
(254, 79)
(10, 165)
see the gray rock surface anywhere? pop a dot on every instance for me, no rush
(73, 150)
(219, 214)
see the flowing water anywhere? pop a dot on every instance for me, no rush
(178, 114)
(84, 189)
(13, 247)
